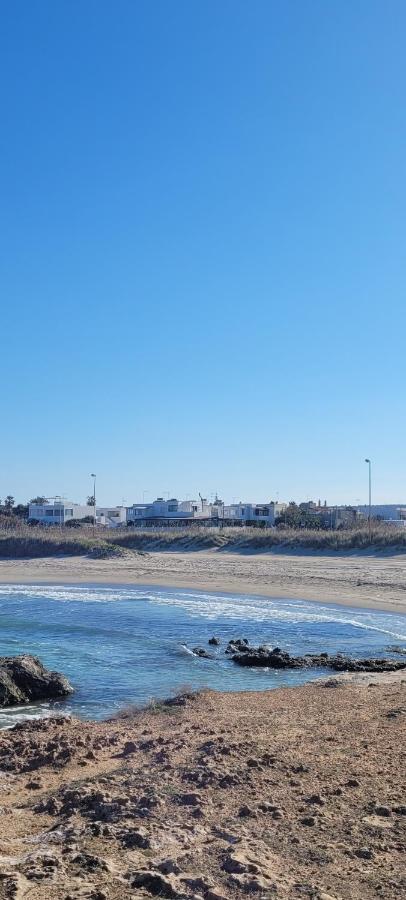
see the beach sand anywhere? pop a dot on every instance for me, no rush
(353, 579)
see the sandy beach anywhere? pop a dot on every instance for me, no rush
(354, 579)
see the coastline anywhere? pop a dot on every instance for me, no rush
(354, 580)
(264, 791)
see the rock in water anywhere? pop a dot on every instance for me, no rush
(200, 651)
(24, 679)
(279, 659)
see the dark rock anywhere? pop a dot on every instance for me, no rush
(129, 748)
(316, 799)
(261, 656)
(214, 641)
(364, 853)
(279, 659)
(188, 799)
(308, 820)
(156, 883)
(200, 651)
(24, 679)
(383, 811)
(241, 645)
(90, 863)
(396, 713)
(34, 784)
(169, 867)
(245, 812)
(229, 780)
(135, 837)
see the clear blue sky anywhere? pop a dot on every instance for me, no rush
(202, 263)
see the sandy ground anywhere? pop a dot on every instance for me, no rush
(364, 580)
(296, 793)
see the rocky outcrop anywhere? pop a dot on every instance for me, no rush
(279, 659)
(23, 679)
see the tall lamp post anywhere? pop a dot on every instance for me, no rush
(368, 461)
(92, 475)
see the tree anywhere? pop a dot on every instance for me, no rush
(38, 501)
(90, 500)
(9, 503)
(295, 516)
(21, 510)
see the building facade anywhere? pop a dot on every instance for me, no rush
(253, 513)
(157, 511)
(111, 516)
(57, 511)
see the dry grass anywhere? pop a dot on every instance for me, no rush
(255, 539)
(26, 542)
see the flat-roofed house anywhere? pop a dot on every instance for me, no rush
(57, 511)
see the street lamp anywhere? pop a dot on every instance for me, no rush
(368, 461)
(92, 475)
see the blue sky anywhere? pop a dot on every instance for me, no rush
(203, 242)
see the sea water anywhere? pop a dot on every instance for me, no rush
(123, 645)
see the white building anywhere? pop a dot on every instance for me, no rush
(57, 511)
(254, 512)
(110, 516)
(158, 510)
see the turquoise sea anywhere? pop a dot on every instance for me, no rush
(121, 645)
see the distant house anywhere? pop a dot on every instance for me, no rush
(111, 516)
(57, 511)
(251, 513)
(175, 511)
(159, 510)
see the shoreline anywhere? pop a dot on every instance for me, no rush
(364, 582)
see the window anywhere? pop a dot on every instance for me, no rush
(172, 507)
(68, 512)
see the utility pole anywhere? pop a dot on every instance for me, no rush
(368, 461)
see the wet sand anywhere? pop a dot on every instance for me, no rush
(364, 580)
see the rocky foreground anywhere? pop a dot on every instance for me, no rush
(294, 793)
